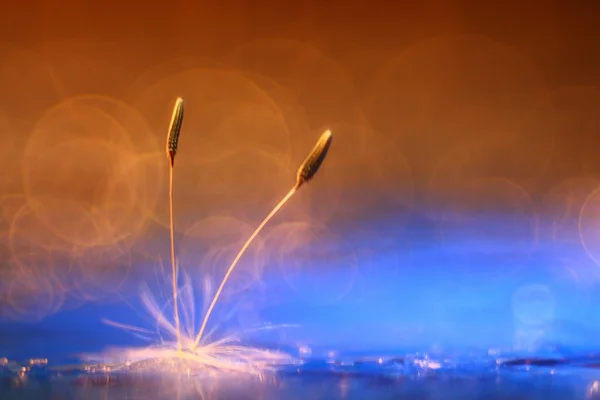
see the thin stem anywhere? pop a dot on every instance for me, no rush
(173, 266)
(237, 258)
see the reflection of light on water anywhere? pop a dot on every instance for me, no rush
(305, 350)
(348, 377)
(344, 388)
(594, 390)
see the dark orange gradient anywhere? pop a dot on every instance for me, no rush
(436, 107)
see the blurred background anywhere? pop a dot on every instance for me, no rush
(458, 207)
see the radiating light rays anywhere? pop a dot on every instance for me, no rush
(173, 350)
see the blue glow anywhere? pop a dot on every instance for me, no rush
(413, 292)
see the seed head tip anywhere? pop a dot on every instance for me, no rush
(313, 162)
(175, 129)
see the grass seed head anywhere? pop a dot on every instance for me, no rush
(175, 130)
(313, 162)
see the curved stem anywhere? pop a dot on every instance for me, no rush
(173, 265)
(237, 258)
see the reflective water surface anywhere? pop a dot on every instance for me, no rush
(410, 377)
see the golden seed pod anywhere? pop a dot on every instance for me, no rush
(175, 130)
(313, 162)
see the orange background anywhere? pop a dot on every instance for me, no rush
(436, 108)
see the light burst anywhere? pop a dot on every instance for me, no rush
(173, 350)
